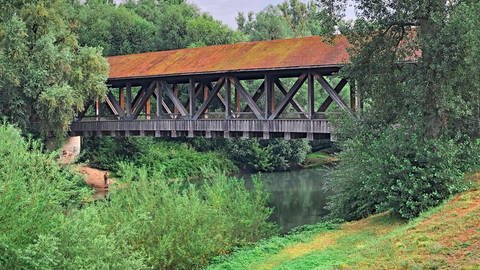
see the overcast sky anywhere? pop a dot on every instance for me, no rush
(227, 10)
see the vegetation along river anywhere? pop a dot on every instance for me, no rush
(298, 197)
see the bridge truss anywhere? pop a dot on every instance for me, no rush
(241, 104)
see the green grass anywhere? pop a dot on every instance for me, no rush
(446, 237)
(318, 159)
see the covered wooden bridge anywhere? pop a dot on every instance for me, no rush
(267, 89)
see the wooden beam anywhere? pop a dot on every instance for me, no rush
(121, 97)
(331, 93)
(288, 97)
(148, 110)
(269, 96)
(295, 104)
(206, 92)
(144, 97)
(256, 110)
(191, 97)
(237, 100)
(158, 102)
(196, 94)
(114, 106)
(175, 93)
(311, 96)
(128, 100)
(209, 100)
(257, 95)
(174, 99)
(228, 98)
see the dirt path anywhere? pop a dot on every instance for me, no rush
(95, 178)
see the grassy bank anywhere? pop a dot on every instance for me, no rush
(319, 159)
(446, 237)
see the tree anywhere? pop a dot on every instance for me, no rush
(46, 77)
(289, 19)
(412, 61)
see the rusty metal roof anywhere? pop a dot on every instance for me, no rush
(249, 56)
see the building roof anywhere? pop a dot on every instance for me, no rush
(294, 53)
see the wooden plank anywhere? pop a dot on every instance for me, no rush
(288, 97)
(209, 100)
(256, 110)
(332, 93)
(329, 99)
(174, 99)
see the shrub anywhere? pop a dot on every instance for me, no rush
(180, 225)
(400, 171)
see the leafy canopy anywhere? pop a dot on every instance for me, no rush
(45, 76)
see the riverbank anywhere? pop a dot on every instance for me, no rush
(319, 159)
(446, 237)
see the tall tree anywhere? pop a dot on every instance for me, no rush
(45, 76)
(412, 61)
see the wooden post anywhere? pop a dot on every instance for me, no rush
(128, 99)
(121, 97)
(237, 101)
(311, 96)
(191, 98)
(159, 99)
(205, 97)
(148, 109)
(228, 98)
(175, 93)
(269, 96)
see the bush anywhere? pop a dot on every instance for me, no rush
(39, 202)
(258, 155)
(180, 225)
(171, 159)
(400, 171)
(148, 222)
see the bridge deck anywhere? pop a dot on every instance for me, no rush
(288, 129)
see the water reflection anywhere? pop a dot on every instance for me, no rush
(298, 197)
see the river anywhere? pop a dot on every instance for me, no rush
(298, 197)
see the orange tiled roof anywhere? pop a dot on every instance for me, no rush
(248, 56)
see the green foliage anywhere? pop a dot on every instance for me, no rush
(147, 25)
(408, 152)
(398, 170)
(291, 18)
(172, 160)
(45, 76)
(40, 228)
(147, 222)
(181, 227)
(258, 155)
